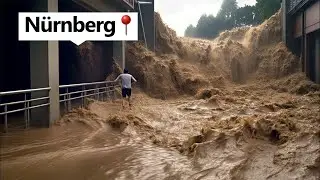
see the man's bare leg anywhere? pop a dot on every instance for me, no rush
(129, 100)
(123, 101)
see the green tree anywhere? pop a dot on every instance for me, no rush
(190, 31)
(202, 27)
(246, 16)
(227, 14)
(230, 16)
(207, 27)
(228, 9)
(266, 8)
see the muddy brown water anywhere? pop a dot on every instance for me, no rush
(85, 149)
(77, 152)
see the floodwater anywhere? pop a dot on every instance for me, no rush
(173, 139)
(78, 152)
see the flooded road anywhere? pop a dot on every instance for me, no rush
(232, 135)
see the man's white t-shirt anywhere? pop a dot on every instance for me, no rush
(126, 80)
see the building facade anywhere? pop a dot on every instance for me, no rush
(301, 33)
(38, 64)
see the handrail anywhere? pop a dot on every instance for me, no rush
(100, 91)
(19, 102)
(85, 84)
(27, 102)
(77, 92)
(23, 109)
(23, 91)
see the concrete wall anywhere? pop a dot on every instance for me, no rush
(44, 71)
(287, 25)
(300, 24)
(312, 13)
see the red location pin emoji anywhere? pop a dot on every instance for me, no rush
(126, 20)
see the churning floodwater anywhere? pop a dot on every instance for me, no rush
(264, 125)
(228, 136)
(78, 152)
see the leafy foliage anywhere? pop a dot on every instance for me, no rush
(245, 16)
(190, 31)
(230, 16)
(265, 9)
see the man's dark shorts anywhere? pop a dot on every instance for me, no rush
(126, 92)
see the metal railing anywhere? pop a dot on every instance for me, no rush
(27, 104)
(130, 3)
(96, 90)
(32, 98)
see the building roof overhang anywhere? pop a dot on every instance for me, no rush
(300, 5)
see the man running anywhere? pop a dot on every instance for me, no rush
(126, 85)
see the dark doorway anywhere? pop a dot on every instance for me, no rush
(311, 56)
(297, 46)
(317, 57)
(89, 62)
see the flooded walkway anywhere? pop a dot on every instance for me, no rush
(235, 135)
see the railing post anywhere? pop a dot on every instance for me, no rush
(28, 114)
(98, 92)
(82, 97)
(107, 91)
(25, 111)
(65, 101)
(113, 92)
(105, 94)
(69, 101)
(95, 92)
(5, 119)
(85, 95)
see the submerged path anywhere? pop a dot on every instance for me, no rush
(227, 136)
